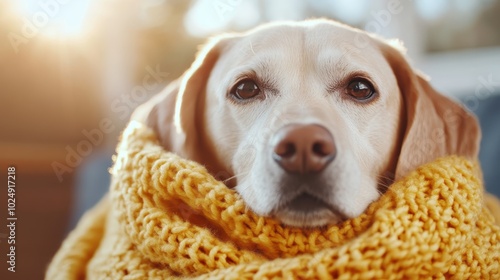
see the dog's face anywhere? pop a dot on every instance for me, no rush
(311, 118)
(306, 127)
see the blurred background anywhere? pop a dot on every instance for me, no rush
(71, 73)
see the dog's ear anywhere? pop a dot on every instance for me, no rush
(176, 113)
(434, 126)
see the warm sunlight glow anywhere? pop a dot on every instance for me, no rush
(64, 18)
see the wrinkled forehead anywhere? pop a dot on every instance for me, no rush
(327, 46)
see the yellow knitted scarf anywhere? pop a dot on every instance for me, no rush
(167, 217)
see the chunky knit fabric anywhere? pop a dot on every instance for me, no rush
(166, 217)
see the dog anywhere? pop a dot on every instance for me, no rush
(311, 120)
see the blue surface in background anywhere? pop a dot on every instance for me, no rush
(488, 112)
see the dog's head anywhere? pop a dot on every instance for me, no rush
(314, 119)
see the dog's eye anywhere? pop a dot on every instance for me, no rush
(245, 89)
(360, 89)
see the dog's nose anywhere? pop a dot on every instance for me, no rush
(303, 149)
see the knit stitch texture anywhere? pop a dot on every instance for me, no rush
(167, 217)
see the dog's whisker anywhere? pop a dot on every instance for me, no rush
(235, 176)
(383, 182)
